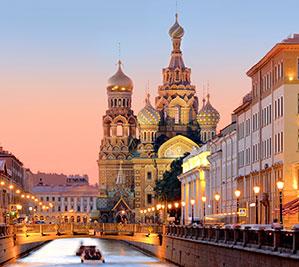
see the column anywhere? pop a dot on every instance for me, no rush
(94, 203)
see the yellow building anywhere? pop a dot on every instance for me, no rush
(268, 135)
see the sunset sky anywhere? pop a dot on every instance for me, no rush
(56, 56)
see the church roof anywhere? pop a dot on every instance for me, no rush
(208, 115)
(148, 115)
(120, 82)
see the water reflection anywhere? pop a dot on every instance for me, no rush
(61, 252)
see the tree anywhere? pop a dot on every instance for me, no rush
(169, 187)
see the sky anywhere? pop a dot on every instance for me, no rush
(56, 57)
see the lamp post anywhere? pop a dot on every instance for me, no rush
(183, 217)
(192, 201)
(217, 198)
(204, 199)
(280, 185)
(176, 205)
(169, 206)
(237, 194)
(256, 190)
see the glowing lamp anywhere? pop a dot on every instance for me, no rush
(18, 191)
(280, 185)
(183, 203)
(204, 198)
(169, 206)
(237, 193)
(176, 204)
(192, 201)
(217, 197)
(256, 189)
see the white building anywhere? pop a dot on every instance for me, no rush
(222, 175)
(69, 203)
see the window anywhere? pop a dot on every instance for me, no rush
(149, 175)
(59, 198)
(53, 198)
(149, 198)
(42, 198)
(119, 130)
(177, 115)
(65, 208)
(47, 198)
(78, 208)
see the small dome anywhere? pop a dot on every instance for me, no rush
(208, 115)
(176, 30)
(120, 82)
(148, 115)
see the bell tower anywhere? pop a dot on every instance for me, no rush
(176, 98)
(119, 131)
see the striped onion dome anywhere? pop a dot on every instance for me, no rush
(148, 115)
(176, 30)
(208, 115)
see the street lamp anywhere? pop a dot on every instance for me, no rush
(204, 199)
(192, 201)
(183, 206)
(280, 185)
(237, 194)
(256, 190)
(176, 205)
(217, 198)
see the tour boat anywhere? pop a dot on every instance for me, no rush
(90, 254)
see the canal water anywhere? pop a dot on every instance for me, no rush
(61, 252)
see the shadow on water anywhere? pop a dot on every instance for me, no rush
(61, 252)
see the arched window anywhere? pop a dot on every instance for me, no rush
(152, 137)
(119, 129)
(144, 136)
(115, 102)
(119, 102)
(124, 102)
(177, 75)
(111, 103)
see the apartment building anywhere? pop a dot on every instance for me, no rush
(268, 134)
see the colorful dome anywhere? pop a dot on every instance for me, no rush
(148, 115)
(208, 115)
(176, 30)
(120, 82)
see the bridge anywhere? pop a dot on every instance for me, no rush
(183, 245)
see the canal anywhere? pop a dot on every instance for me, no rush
(61, 252)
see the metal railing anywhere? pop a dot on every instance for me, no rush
(83, 229)
(275, 240)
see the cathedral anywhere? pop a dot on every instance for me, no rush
(136, 150)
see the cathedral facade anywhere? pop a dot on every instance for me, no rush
(129, 165)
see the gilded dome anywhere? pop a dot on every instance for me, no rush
(208, 115)
(176, 30)
(148, 115)
(120, 82)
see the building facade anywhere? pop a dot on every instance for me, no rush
(76, 203)
(256, 151)
(267, 132)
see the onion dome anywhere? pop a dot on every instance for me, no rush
(148, 115)
(208, 115)
(176, 31)
(120, 82)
